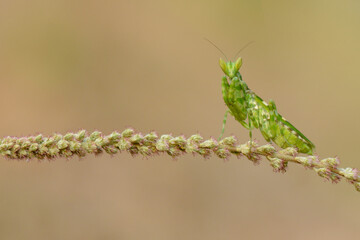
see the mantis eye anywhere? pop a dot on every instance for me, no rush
(223, 66)
(238, 63)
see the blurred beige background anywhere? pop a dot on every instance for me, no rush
(107, 65)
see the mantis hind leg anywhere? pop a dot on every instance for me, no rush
(250, 133)
(224, 123)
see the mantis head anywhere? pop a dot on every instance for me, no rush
(231, 68)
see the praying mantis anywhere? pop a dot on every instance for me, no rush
(253, 112)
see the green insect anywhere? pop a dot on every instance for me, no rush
(253, 112)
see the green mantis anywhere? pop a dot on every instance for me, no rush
(253, 112)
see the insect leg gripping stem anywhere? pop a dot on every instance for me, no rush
(224, 123)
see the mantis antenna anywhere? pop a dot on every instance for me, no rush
(246, 45)
(216, 48)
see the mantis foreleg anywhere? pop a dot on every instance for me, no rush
(224, 123)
